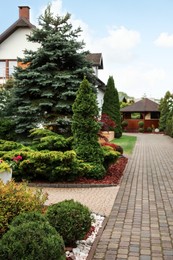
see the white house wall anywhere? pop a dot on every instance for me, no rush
(100, 95)
(15, 44)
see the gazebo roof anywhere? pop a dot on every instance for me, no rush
(144, 105)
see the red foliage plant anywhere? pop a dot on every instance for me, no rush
(114, 146)
(107, 123)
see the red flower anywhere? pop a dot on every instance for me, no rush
(17, 158)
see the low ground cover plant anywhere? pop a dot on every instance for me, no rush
(31, 164)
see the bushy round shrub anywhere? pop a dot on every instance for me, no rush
(16, 198)
(141, 124)
(71, 219)
(141, 130)
(32, 240)
(124, 123)
(25, 217)
(149, 129)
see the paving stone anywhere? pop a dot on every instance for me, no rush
(141, 216)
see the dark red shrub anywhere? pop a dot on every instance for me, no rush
(107, 124)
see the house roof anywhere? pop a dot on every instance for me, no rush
(101, 84)
(96, 59)
(20, 23)
(144, 105)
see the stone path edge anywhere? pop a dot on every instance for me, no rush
(70, 185)
(97, 239)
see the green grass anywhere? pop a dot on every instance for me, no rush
(127, 142)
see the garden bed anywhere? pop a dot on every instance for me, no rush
(112, 177)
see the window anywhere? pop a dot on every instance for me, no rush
(7, 68)
(2, 69)
(12, 64)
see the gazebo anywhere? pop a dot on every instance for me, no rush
(144, 110)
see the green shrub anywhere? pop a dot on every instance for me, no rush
(110, 155)
(149, 129)
(16, 198)
(44, 139)
(32, 240)
(50, 166)
(141, 124)
(95, 171)
(46, 165)
(124, 123)
(169, 127)
(141, 130)
(7, 129)
(25, 217)
(9, 145)
(71, 219)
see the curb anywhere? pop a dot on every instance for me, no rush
(97, 239)
(70, 185)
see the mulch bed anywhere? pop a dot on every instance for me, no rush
(113, 175)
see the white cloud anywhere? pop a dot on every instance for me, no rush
(118, 46)
(120, 57)
(164, 40)
(137, 80)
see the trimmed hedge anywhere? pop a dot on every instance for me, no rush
(24, 217)
(32, 240)
(71, 219)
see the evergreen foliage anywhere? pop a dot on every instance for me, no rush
(166, 110)
(46, 88)
(111, 106)
(6, 98)
(71, 219)
(85, 126)
(32, 240)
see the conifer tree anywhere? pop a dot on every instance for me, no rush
(111, 106)
(46, 89)
(166, 114)
(85, 128)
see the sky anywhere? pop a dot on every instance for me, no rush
(135, 38)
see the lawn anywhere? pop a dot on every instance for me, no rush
(127, 142)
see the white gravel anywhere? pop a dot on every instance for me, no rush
(83, 246)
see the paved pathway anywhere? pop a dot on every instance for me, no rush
(140, 225)
(99, 200)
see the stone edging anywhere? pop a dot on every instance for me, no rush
(70, 185)
(97, 239)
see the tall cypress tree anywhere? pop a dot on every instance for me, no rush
(46, 89)
(85, 129)
(111, 106)
(166, 113)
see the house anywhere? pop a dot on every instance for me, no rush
(97, 60)
(144, 110)
(13, 42)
